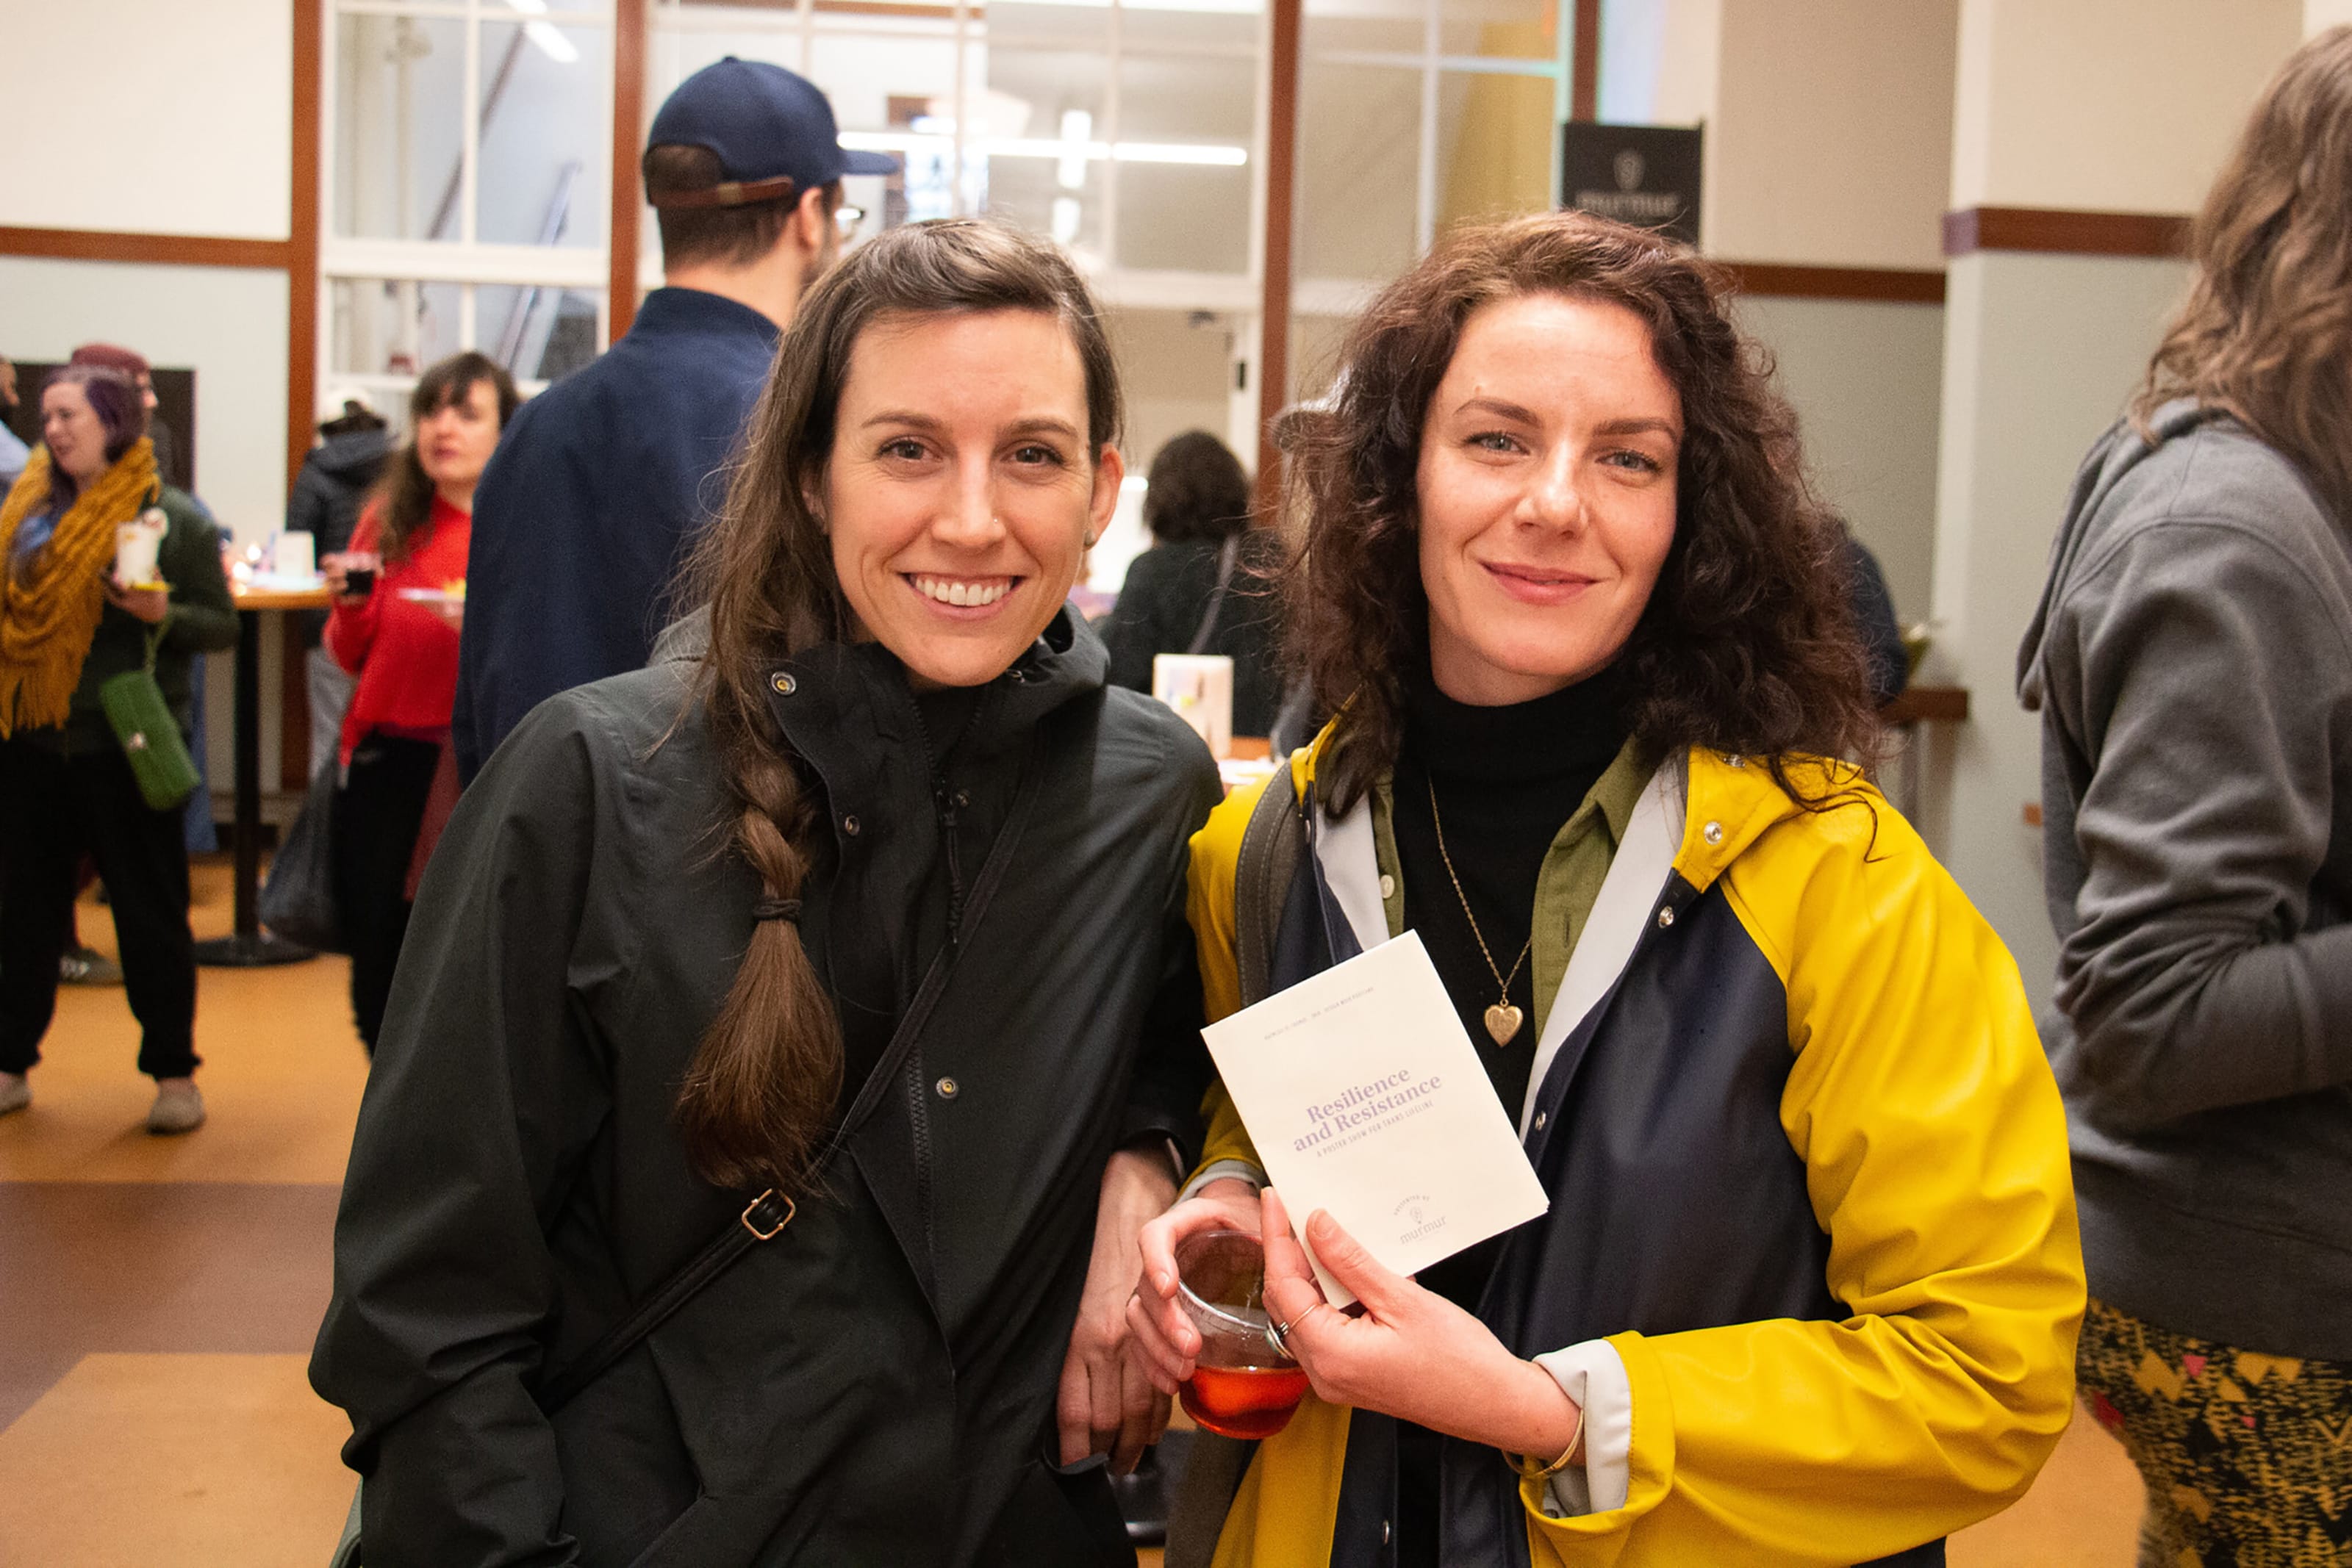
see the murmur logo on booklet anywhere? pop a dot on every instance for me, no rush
(1415, 1211)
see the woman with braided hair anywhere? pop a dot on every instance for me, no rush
(867, 895)
(66, 789)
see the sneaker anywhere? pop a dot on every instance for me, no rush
(178, 1107)
(88, 967)
(16, 1092)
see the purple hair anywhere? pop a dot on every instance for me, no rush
(121, 413)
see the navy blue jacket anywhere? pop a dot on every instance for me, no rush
(586, 510)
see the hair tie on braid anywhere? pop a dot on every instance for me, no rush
(777, 909)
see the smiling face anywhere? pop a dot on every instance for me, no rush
(961, 489)
(74, 433)
(454, 443)
(1546, 487)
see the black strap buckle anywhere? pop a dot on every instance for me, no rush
(762, 1211)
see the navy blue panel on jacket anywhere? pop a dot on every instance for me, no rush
(586, 510)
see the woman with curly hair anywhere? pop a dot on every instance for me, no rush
(2192, 660)
(1808, 1286)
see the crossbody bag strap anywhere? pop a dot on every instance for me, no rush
(1227, 558)
(764, 1218)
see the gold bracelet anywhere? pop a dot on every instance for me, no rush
(1531, 1471)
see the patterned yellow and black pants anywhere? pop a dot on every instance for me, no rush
(2247, 1458)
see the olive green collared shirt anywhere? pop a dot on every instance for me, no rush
(1568, 884)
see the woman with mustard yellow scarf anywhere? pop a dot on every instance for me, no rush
(67, 625)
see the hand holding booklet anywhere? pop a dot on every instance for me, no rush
(1365, 1097)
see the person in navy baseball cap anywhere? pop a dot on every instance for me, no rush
(771, 132)
(601, 482)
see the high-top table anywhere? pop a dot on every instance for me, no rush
(249, 946)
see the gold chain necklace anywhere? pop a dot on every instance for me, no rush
(1503, 1020)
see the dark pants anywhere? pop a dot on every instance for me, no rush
(377, 814)
(54, 810)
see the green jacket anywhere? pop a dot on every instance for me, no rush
(203, 620)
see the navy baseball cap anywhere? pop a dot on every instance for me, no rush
(774, 133)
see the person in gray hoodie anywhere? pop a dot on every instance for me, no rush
(2192, 662)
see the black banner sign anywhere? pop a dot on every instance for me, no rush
(1647, 175)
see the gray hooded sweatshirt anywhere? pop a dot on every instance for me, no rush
(2192, 662)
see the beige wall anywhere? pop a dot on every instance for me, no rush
(2111, 105)
(176, 114)
(1831, 131)
(1867, 382)
(2320, 14)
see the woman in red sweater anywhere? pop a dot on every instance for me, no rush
(399, 604)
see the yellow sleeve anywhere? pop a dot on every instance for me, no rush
(1209, 905)
(1936, 1149)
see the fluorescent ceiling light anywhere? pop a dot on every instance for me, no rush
(1077, 136)
(552, 43)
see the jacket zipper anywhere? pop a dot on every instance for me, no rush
(945, 802)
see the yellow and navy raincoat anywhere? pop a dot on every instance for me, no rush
(1808, 1181)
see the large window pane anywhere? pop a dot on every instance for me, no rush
(1500, 29)
(384, 327)
(1027, 24)
(1186, 128)
(400, 84)
(1359, 170)
(1051, 177)
(1393, 26)
(1233, 26)
(539, 334)
(1495, 145)
(546, 134)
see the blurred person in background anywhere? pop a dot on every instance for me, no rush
(13, 450)
(400, 597)
(610, 472)
(336, 478)
(1200, 589)
(2192, 662)
(132, 363)
(66, 789)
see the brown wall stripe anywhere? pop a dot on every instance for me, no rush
(628, 125)
(1274, 301)
(302, 250)
(2059, 231)
(1776, 280)
(1584, 64)
(169, 250)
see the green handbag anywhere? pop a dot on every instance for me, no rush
(151, 737)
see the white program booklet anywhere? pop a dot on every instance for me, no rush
(1365, 1097)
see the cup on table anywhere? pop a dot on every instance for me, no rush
(293, 555)
(1199, 686)
(1242, 1384)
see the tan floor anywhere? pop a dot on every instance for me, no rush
(160, 1295)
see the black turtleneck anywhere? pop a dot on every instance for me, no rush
(1505, 779)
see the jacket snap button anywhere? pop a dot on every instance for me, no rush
(947, 1088)
(849, 826)
(1713, 833)
(1384, 1533)
(785, 686)
(1388, 886)
(1541, 1117)
(1737, 761)
(1665, 917)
